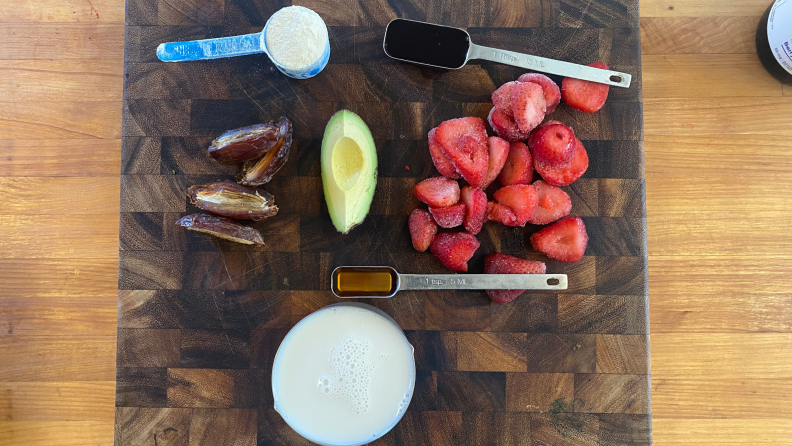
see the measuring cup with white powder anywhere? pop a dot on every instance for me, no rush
(295, 39)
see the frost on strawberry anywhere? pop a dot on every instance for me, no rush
(439, 158)
(497, 263)
(528, 105)
(503, 124)
(464, 142)
(520, 198)
(564, 240)
(437, 191)
(553, 204)
(454, 249)
(475, 201)
(583, 95)
(551, 91)
(422, 229)
(518, 168)
(448, 217)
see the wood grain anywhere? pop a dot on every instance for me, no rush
(56, 298)
(59, 80)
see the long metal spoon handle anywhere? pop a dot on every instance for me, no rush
(552, 66)
(482, 281)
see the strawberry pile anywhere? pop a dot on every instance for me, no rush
(461, 149)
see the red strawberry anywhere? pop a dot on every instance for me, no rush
(437, 191)
(520, 198)
(498, 152)
(564, 240)
(585, 96)
(501, 98)
(528, 105)
(475, 209)
(497, 263)
(552, 94)
(422, 229)
(448, 217)
(504, 125)
(568, 173)
(440, 160)
(518, 168)
(464, 141)
(501, 214)
(552, 144)
(553, 204)
(454, 249)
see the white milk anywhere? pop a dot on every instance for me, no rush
(343, 375)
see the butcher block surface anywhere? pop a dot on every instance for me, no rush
(200, 319)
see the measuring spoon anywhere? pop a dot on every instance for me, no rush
(447, 47)
(384, 281)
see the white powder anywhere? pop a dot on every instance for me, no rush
(296, 37)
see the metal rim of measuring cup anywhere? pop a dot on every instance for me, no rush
(387, 317)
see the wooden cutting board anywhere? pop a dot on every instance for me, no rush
(200, 319)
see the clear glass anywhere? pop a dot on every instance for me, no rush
(399, 414)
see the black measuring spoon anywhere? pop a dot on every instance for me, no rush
(448, 47)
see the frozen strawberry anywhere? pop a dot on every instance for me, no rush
(552, 144)
(454, 249)
(497, 263)
(518, 168)
(501, 214)
(568, 173)
(440, 160)
(520, 198)
(553, 204)
(504, 125)
(437, 191)
(583, 95)
(564, 240)
(448, 217)
(552, 94)
(475, 201)
(464, 141)
(528, 105)
(422, 229)
(501, 98)
(498, 152)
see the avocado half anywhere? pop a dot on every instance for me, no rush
(349, 169)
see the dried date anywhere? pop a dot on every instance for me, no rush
(258, 172)
(232, 200)
(221, 227)
(249, 143)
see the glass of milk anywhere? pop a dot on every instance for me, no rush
(344, 375)
(295, 38)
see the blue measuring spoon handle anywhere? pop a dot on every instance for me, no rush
(210, 48)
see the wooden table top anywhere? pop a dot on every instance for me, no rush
(718, 182)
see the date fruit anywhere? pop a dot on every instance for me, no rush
(258, 172)
(221, 227)
(249, 143)
(229, 199)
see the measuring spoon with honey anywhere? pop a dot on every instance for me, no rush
(447, 47)
(384, 281)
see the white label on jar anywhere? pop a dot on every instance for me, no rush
(779, 33)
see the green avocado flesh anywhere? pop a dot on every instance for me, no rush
(349, 169)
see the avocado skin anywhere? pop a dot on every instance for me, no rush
(348, 200)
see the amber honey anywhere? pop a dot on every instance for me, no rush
(350, 281)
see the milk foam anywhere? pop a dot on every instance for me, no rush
(350, 373)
